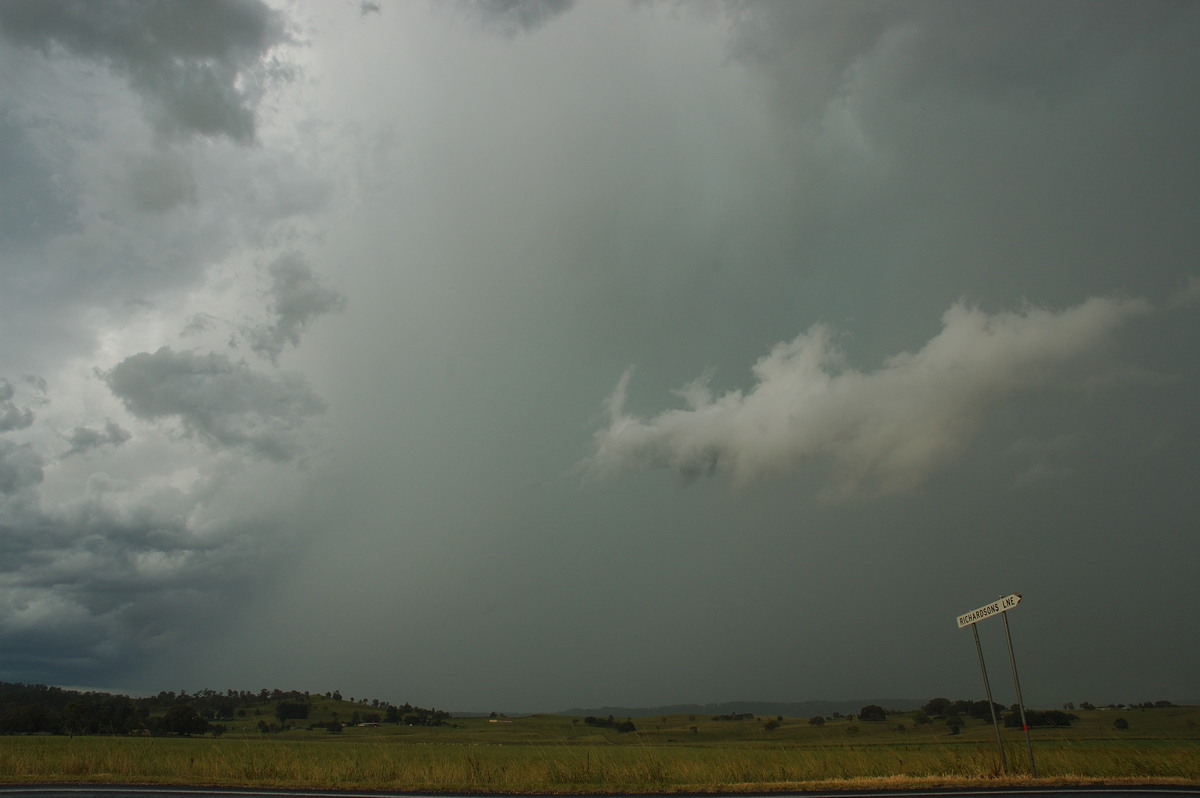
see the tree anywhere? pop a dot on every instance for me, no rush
(981, 711)
(291, 710)
(816, 720)
(78, 718)
(771, 725)
(872, 712)
(936, 707)
(27, 719)
(1120, 724)
(183, 719)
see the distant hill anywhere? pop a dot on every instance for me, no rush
(791, 709)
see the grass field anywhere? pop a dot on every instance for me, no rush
(678, 753)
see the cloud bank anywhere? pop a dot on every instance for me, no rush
(191, 64)
(221, 402)
(94, 583)
(141, 477)
(880, 432)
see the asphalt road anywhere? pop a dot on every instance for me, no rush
(118, 791)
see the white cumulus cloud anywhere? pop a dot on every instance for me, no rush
(880, 431)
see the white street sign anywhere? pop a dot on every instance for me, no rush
(988, 610)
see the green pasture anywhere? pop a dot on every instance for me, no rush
(698, 730)
(673, 753)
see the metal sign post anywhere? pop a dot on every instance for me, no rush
(1000, 607)
(1020, 703)
(987, 689)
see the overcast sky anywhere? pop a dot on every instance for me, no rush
(515, 355)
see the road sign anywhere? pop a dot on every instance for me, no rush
(988, 610)
(1000, 607)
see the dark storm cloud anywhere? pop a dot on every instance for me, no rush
(100, 582)
(11, 416)
(510, 17)
(188, 61)
(882, 431)
(297, 298)
(84, 439)
(95, 207)
(222, 402)
(113, 231)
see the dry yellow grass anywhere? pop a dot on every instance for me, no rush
(390, 764)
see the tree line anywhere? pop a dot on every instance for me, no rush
(954, 714)
(42, 709)
(622, 727)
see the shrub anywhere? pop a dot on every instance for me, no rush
(1037, 717)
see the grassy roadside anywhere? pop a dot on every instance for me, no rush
(556, 754)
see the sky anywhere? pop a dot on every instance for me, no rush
(506, 355)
